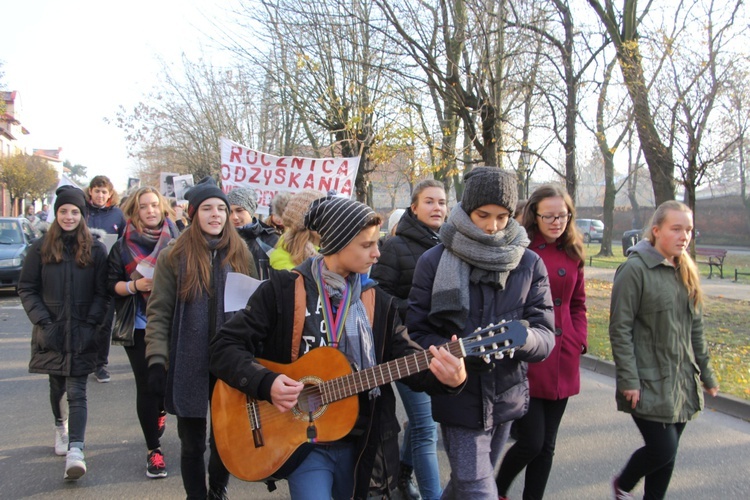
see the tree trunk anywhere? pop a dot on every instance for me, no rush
(658, 157)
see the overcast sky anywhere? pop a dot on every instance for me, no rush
(74, 62)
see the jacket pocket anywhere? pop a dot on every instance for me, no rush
(87, 337)
(655, 399)
(50, 337)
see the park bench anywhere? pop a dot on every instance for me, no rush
(738, 273)
(714, 257)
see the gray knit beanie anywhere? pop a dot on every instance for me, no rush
(489, 186)
(338, 221)
(246, 198)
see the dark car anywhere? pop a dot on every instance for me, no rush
(16, 236)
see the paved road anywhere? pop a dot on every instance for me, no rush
(594, 442)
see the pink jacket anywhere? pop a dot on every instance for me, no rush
(558, 376)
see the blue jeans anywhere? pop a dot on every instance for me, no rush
(75, 387)
(419, 448)
(327, 472)
(473, 455)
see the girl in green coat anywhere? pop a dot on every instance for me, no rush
(660, 352)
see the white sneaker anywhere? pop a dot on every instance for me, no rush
(61, 439)
(75, 466)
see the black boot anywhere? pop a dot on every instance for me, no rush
(406, 485)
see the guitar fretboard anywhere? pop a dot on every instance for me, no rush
(364, 380)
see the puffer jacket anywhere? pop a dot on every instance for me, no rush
(498, 393)
(399, 255)
(657, 339)
(265, 328)
(67, 306)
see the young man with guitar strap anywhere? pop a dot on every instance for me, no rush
(352, 448)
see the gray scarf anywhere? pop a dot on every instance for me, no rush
(472, 257)
(357, 342)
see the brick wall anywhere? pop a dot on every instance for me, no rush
(721, 221)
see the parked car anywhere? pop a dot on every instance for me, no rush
(16, 236)
(591, 229)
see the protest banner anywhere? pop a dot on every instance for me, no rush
(268, 174)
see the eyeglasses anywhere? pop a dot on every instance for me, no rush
(549, 219)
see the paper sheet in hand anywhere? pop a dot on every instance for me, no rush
(146, 271)
(237, 291)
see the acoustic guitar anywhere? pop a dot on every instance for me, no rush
(255, 439)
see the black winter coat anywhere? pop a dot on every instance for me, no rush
(260, 239)
(399, 255)
(499, 393)
(71, 302)
(265, 327)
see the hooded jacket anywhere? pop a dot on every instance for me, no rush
(399, 255)
(657, 339)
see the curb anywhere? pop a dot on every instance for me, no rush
(723, 403)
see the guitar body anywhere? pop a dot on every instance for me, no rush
(240, 448)
(255, 439)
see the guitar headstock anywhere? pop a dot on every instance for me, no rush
(495, 340)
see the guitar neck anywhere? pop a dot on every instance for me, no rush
(364, 380)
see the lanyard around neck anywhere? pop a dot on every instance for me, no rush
(334, 323)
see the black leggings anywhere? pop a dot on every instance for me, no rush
(655, 461)
(148, 406)
(534, 448)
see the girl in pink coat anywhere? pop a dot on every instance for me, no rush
(549, 218)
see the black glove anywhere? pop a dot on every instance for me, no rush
(157, 379)
(477, 364)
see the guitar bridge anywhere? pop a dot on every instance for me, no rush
(253, 413)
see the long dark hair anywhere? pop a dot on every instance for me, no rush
(570, 239)
(194, 246)
(53, 247)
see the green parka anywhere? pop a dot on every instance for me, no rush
(657, 339)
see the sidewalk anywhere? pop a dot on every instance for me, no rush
(714, 287)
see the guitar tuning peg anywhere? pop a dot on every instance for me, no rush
(486, 358)
(499, 355)
(511, 352)
(478, 329)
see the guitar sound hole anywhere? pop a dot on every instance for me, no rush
(310, 400)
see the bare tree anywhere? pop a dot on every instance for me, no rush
(622, 28)
(178, 128)
(699, 69)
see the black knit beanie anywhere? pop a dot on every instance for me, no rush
(70, 195)
(202, 191)
(338, 221)
(489, 186)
